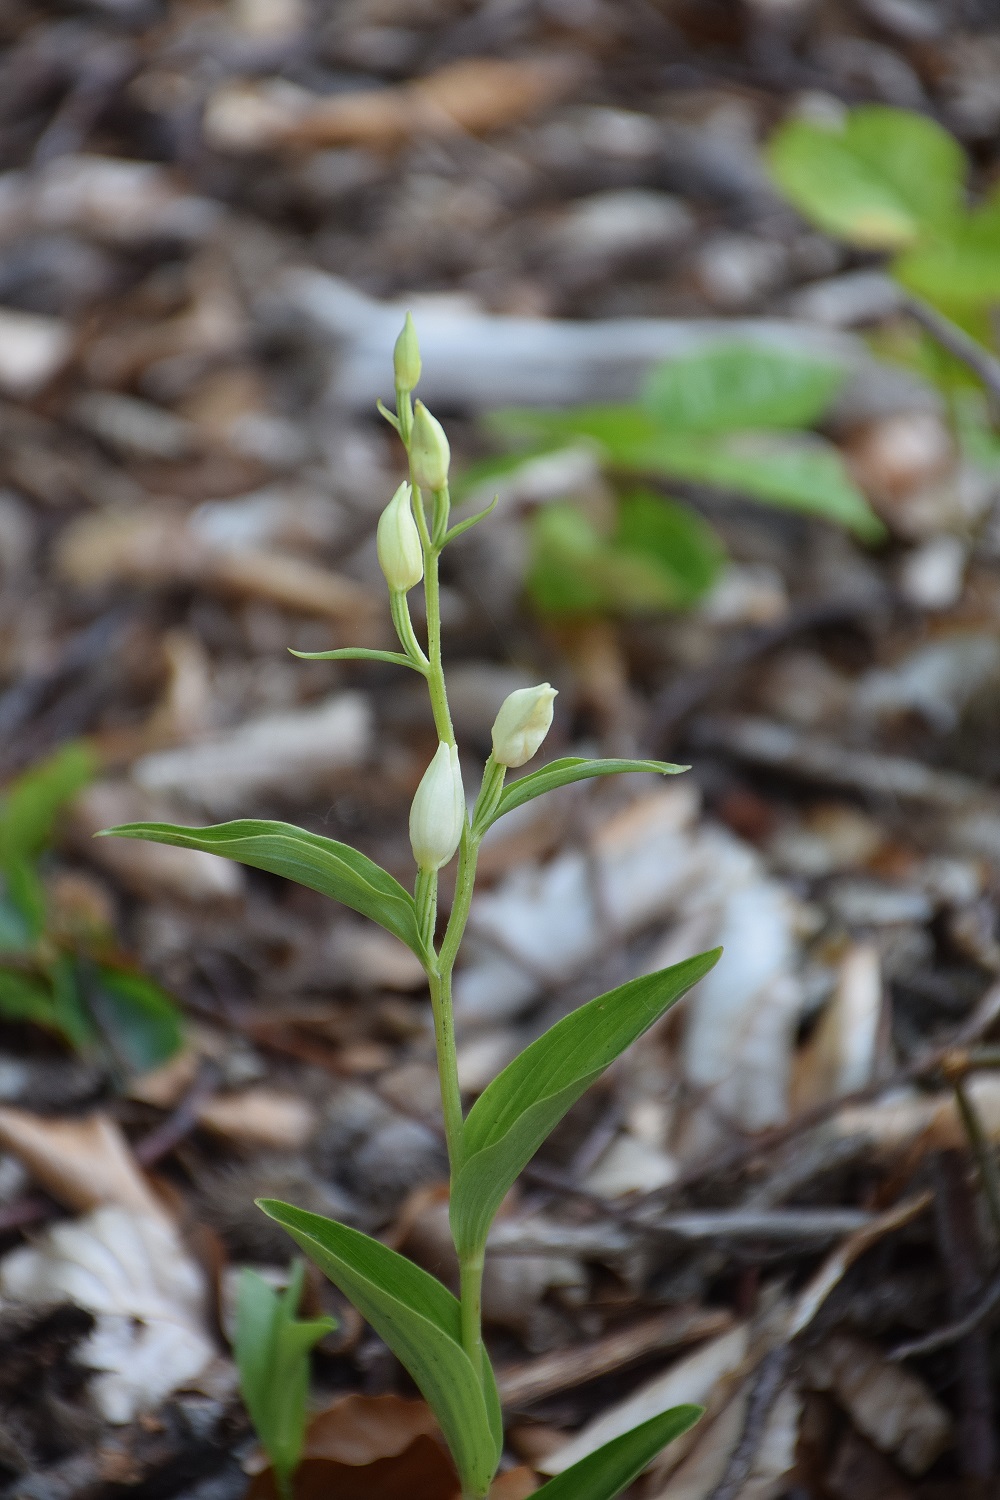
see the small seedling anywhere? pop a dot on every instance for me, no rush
(271, 1348)
(891, 180)
(438, 1336)
(61, 969)
(733, 418)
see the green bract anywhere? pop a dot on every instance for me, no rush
(438, 1336)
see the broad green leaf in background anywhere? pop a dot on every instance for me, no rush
(336, 870)
(520, 1108)
(29, 805)
(15, 933)
(740, 385)
(70, 1015)
(883, 179)
(798, 471)
(674, 536)
(26, 895)
(604, 1474)
(271, 1349)
(420, 1320)
(141, 1024)
(571, 768)
(959, 268)
(25, 999)
(660, 556)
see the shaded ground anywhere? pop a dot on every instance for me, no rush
(184, 498)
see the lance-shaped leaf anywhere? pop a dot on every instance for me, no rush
(420, 1320)
(513, 1116)
(335, 870)
(604, 1474)
(271, 1348)
(563, 772)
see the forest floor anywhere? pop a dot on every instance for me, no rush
(212, 218)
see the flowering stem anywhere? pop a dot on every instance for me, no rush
(444, 1037)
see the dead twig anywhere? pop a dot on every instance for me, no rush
(565, 1369)
(768, 1380)
(765, 742)
(958, 343)
(982, 1150)
(952, 1332)
(960, 1252)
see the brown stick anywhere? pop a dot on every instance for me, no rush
(565, 1369)
(958, 1241)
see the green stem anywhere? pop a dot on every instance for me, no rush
(472, 1310)
(447, 1061)
(404, 411)
(425, 894)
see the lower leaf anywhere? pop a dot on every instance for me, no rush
(604, 1474)
(420, 1320)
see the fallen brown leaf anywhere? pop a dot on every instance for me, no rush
(84, 1163)
(475, 94)
(371, 1448)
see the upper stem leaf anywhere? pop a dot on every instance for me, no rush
(335, 870)
(562, 772)
(513, 1116)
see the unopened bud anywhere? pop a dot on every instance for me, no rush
(437, 814)
(430, 454)
(406, 357)
(398, 541)
(522, 724)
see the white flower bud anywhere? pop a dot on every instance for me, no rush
(398, 542)
(406, 357)
(430, 454)
(437, 815)
(522, 724)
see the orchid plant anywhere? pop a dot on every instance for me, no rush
(436, 1335)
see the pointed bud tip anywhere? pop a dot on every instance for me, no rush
(406, 357)
(524, 720)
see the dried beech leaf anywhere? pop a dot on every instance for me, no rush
(131, 1271)
(475, 94)
(84, 1163)
(370, 1448)
(888, 1403)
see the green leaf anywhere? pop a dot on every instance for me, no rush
(140, 1021)
(883, 180)
(25, 999)
(661, 556)
(271, 1349)
(358, 653)
(15, 933)
(420, 1320)
(335, 870)
(70, 1015)
(28, 808)
(27, 895)
(605, 1473)
(675, 537)
(800, 472)
(564, 772)
(740, 385)
(959, 268)
(515, 1113)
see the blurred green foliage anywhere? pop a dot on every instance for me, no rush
(734, 417)
(59, 967)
